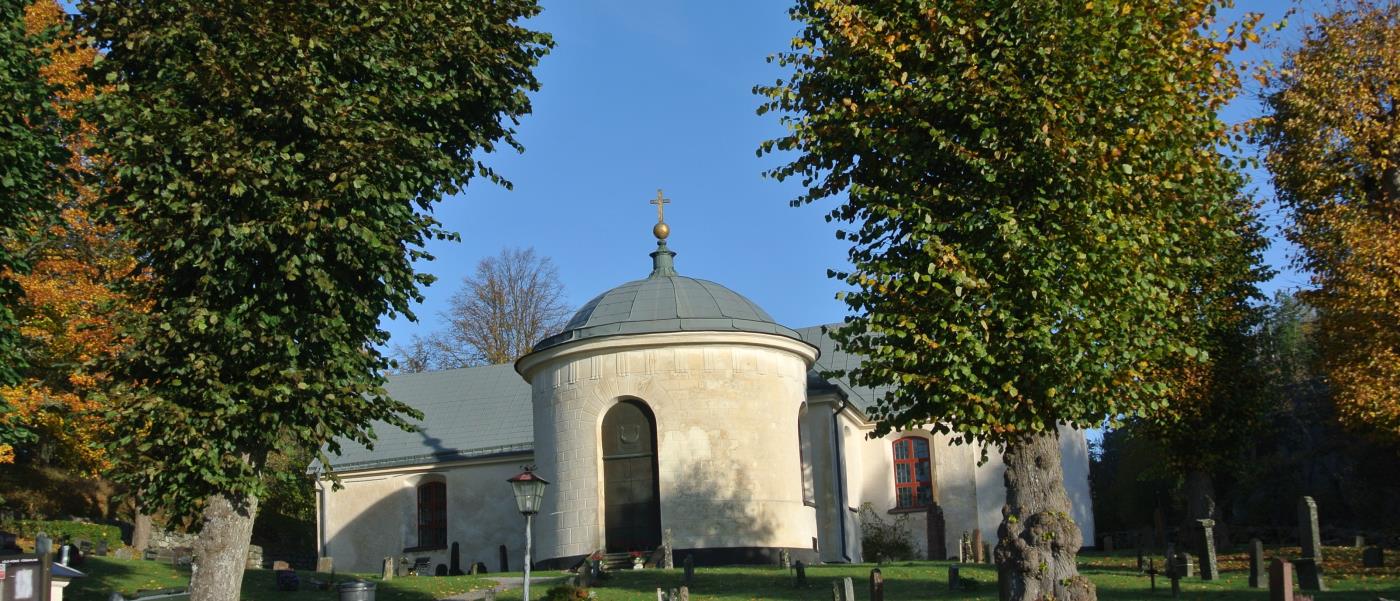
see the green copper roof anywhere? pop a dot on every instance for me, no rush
(666, 302)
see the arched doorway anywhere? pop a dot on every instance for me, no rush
(631, 499)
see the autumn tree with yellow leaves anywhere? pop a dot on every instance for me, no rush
(67, 311)
(1332, 136)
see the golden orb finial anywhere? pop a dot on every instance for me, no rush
(661, 230)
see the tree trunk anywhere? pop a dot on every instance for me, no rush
(141, 532)
(1038, 540)
(221, 551)
(1200, 505)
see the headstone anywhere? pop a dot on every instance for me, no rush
(1280, 580)
(987, 553)
(1359, 542)
(1308, 533)
(124, 553)
(287, 580)
(954, 579)
(505, 559)
(454, 560)
(667, 548)
(479, 567)
(976, 545)
(1185, 565)
(685, 594)
(660, 595)
(1373, 557)
(101, 549)
(801, 569)
(1309, 574)
(280, 565)
(387, 573)
(877, 585)
(1256, 563)
(1108, 543)
(1209, 568)
(689, 567)
(843, 589)
(43, 545)
(936, 532)
(440, 570)
(784, 559)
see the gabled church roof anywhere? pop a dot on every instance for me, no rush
(481, 412)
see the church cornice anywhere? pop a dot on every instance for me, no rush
(530, 364)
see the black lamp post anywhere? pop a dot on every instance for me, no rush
(529, 494)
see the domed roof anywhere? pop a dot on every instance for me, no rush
(666, 302)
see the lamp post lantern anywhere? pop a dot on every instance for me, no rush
(529, 494)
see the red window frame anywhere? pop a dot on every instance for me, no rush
(432, 515)
(913, 487)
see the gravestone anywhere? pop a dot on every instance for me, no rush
(43, 545)
(801, 569)
(1309, 566)
(954, 578)
(505, 558)
(784, 559)
(937, 533)
(987, 553)
(1373, 557)
(280, 565)
(454, 560)
(124, 553)
(1209, 567)
(1108, 543)
(440, 570)
(1256, 563)
(667, 548)
(1280, 580)
(843, 589)
(689, 567)
(101, 549)
(976, 545)
(1185, 565)
(1359, 542)
(684, 594)
(877, 585)
(387, 572)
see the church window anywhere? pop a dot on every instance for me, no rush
(432, 515)
(913, 479)
(804, 451)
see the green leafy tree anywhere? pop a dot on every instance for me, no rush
(31, 155)
(275, 165)
(1030, 187)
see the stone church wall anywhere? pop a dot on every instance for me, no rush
(727, 409)
(375, 515)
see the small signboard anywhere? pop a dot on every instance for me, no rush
(24, 578)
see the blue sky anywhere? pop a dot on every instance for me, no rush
(644, 95)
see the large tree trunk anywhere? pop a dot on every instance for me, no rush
(221, 551)
(141, 532)
(1038, 540)
(1200, 504)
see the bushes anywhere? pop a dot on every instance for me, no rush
(61, 530)
(568, 593)
(881, 541)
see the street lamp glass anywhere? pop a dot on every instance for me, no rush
(529, 491)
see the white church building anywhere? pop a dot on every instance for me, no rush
(668, 406)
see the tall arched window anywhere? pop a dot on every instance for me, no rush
(913, 478)
(432, 515)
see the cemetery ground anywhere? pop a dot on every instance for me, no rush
(1115, 574)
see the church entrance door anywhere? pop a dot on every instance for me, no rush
(631, 499)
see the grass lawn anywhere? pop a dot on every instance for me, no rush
(1114, 574)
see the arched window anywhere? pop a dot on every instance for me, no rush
(432, 515)
(913, 478)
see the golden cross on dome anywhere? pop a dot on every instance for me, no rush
(660, 202)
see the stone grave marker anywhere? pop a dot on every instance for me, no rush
(454, 560)
(843, 589)
(1309, 566)
(667, 548)
(877, 585)
(440, 570)
(1209, 568)
(504, 557)
(784, 559)
(1373, 557)
(101, 549)
(1108, 543)
(689, 565)
(280, 565)
(937, 533)
(1280, 580)
(390, 566)
(684, 594)
(325, 565)
(801, 569)
(1185, 565)
(987, 553)
(954, 579)
(1256, 563)
(976, 545)
(1359, 542)
(43, 545)
(124, 553)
